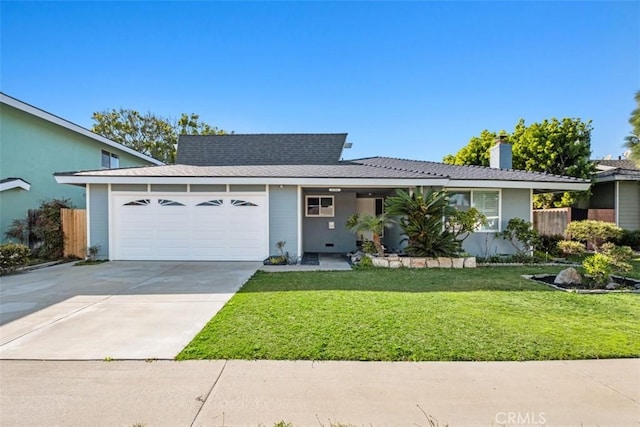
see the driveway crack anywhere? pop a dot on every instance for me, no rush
(206, 397)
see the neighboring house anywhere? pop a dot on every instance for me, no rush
(35, 144)
(615, 194)
(232, 197)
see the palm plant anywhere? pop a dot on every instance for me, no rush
(375, 224)
(422, 219)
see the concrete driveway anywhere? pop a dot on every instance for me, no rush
(118, 310)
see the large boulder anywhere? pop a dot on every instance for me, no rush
(568, 276)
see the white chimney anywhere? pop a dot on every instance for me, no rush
(500, 155)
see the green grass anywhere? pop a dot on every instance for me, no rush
(381, 314)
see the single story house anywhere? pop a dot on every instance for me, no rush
(615, 194)
(34, 144)
(232, 197)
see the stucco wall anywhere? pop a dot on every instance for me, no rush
(283, 218)
(98, 218)
(317, 235)
(514, 203)
(34, 149)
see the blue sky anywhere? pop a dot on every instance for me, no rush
(404, 79)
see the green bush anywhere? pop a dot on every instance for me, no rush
(48, 228)
(549, 245)
(569, 247)
(13, 256)
(594, 233)
(629, 238)
(521, 234)
(600, 267)
(421, 219)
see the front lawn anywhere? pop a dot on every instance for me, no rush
(381, 314)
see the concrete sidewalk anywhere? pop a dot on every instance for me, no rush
(253, 393)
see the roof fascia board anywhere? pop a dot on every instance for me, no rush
(15, 183)
(610, 178)
(12, 102)
(320, 182)
(536, 185)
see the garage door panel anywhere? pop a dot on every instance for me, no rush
(207, 227)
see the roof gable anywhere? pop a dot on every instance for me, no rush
(260, 149)
(105, 142)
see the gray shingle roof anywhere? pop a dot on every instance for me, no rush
(260, 149)
(456, 172)
(375, 167)
(622, 164)
(343, 170)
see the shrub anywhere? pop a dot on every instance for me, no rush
(18, 231)
(13, 256)
(421, 218)
(549, 245)
(629, 238)
(520, 234)
(620, 257)
(599, 267)
(48, 228)
(594, 233)
(570, 247)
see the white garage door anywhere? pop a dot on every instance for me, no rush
(229, 227)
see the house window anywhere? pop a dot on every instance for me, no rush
(110, 160)
(319, 206)
(485, 201)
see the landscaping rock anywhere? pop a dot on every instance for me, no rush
(418, 263)
(444, 262)
(568, 276)
(380, 262)
(611, 286)
(432, 263)
(457, 262)
(393, 257)
(470, 262)
(395, 263)
(406, 261)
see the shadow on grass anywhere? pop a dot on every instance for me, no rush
(504, 279)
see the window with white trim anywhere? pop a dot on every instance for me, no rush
(319, 206)
(487, 202)
(110, 160)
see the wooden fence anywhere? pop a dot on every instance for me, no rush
(554, 221)
(74, 226)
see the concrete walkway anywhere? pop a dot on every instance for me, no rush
(120, 310)
(261, 393)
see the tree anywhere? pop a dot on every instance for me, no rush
(148, 133)
(633, 139)
(560, 147)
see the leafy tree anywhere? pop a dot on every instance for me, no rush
(148, 133)
(594, 233)
(633, 140)
(560, 147)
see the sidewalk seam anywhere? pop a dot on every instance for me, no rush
(204, 401)
(601, 382)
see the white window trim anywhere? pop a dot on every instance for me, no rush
(471, 191)
(320, 214)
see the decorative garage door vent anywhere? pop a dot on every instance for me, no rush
(166, 202)
(216, 202)
(141, 202)
(242, 203)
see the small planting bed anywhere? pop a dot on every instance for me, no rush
(625, 284)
